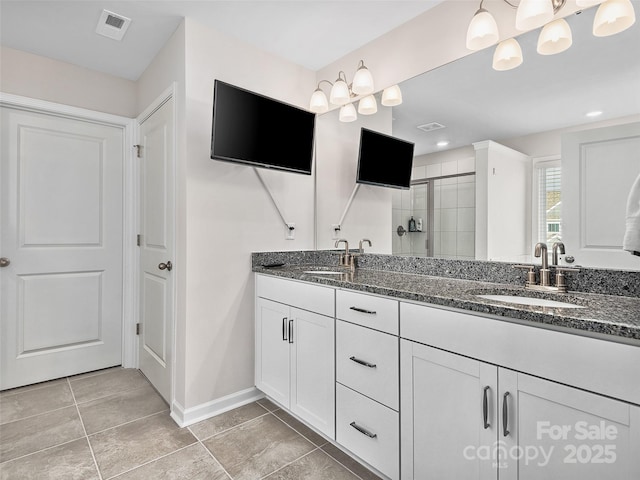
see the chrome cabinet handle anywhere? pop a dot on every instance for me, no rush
(362, 362)
(362, 310)
(485, 407)
(4, 262)
(363, 431)
(166, 266)
(505, 415)
(291, 331)
(284, 329)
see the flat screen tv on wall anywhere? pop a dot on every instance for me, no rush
(255, 130)
(384, 160)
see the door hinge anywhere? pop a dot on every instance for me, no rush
(138, 150)
(137, 329)
(138, 240)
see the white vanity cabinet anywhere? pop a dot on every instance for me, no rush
(468, 418)
(367, 372)
(295, 353)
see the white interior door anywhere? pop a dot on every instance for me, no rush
(62, 223)
(157, 247)
(598, 168)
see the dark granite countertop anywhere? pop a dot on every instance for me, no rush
(617, 317)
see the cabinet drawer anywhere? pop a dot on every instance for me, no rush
(367, 361)
(368, 310)
(297, 294)
(376, 438)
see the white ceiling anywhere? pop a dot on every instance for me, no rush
(545, 93)
(311, 33)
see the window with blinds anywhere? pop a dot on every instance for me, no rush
(549, 177)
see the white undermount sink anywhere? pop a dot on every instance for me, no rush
(538, 302)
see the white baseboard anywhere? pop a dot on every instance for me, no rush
(188, 416)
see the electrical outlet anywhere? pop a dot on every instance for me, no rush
(290, 232)
(335, 231)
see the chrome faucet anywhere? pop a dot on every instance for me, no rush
(361, 242)
(346, 259)
(541, 251)
(557, 247)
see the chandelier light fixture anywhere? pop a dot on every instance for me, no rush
(612, 16)
(343, 94)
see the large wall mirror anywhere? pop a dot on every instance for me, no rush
(480, 134)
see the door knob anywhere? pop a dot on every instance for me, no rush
(4, 262)
(166, 266)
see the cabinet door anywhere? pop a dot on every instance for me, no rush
(272, 350)
(560, 432)
(312, 370)
(443, 415)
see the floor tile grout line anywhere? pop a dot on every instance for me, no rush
(300, 433)
(151, 461)
(95, 461)
(212, 456)
(292, 461)
(340, 463)
(95, 373)
(226, 429)
(38, 414)
(84, 402)
(42, 450)
(32, 387)
(127, 423)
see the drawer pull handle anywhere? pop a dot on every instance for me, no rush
(291, 331)
(284, 329)
(363, 430)
(362, 362)
(485, 408)
(505, 415)
(362, 310)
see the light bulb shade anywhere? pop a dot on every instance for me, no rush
(482, 31)
(348, 113)
(613, 16)
(533, 14)
(391, 96)
(555, 37)
(367, 105)
(339, 94)
(508, 55)
(587, 3)
(318, 103)
(362, 81)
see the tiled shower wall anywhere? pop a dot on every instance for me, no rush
(452, 212)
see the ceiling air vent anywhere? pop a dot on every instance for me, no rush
(112, 25)
(430, 127)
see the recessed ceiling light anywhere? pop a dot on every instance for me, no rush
(442, 143)
(594, 113)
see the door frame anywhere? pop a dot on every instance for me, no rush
(130, 201)
(159, 101)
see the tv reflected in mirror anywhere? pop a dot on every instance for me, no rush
(384, 160)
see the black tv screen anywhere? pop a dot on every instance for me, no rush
(255, 130)
(384, 160)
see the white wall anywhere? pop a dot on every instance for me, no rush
(229, 214)
(33, 76)
(336, 164)
(503, 203)
(549, 143)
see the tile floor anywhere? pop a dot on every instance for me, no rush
(112, 424)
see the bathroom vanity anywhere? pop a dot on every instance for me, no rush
(420, 377)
